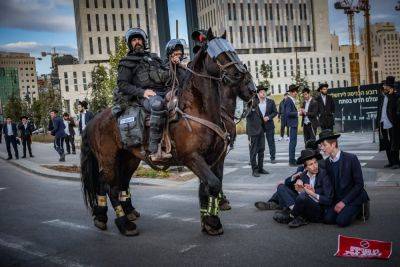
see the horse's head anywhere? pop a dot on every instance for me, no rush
(223, 61)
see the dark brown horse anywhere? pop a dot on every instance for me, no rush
(107, 168)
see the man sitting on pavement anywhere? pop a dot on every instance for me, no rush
(273, 202)
(313, 196)
(350, 199)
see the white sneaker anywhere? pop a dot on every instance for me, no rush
(287, 138)
(280, 139)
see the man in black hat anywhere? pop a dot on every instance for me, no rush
(326, 108)
(309, 112)
(350, 199)
(292, 121)
(313, 196)
(10, 132)
(25, 129)
(281, 117)
(273, 203)
(84, 115)
(255, 129)
(388, 123)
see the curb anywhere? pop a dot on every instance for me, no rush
(52, 174)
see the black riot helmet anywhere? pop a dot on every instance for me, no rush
(174, 44)
(135, 32)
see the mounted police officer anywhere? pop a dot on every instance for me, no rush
(142, 79)
(174, 51)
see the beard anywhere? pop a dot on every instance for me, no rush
(138, 48)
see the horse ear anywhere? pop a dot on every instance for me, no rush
(210, 34)
(223, 36)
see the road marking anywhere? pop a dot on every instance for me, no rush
(175, 198)
(75, 226)
(23, 246)
(186, 249)
(228, 170)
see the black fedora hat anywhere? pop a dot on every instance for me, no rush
(293, 87)
(322, 85)
(308, 154)
(389, 81)
(327, 134)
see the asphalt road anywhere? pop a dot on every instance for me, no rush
(43, 222)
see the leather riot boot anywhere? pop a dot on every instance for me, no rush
(157, 123)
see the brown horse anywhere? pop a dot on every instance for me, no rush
(106, 167)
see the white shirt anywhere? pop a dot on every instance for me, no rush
(83, 114)
(384, 118)
(336, 158)
(312, 183)
(66, 130)
(306, 106)
(263, 106)
(323, 99)
(9, 129)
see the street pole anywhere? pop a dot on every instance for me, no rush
(368, 41)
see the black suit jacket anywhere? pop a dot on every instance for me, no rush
(14, 129)
(326, 111)
(88, 116)
(312, 113)
(26, 132)
(71, 125)
(254, 120)
(351, 190)
(271, 112)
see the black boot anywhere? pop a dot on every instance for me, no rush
(100, 217)
(157, 119)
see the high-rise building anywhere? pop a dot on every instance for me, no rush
(26, 66)
(291, 36)
(9, 84)
(385, 49)
(100, 24)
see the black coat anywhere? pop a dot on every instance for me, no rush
(25, 132)
(394, 118)
(270, 112)
(88, 116)
(351, 180)
(291, 113)
(312, 114)
(14, 129)
(254, 121)
(326, 112)
(71, 125)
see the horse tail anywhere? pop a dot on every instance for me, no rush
(89, 171)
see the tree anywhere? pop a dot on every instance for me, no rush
(104, 80)
(266, 73)
(15, 108)
(40, 108)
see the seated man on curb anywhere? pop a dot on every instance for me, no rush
(349, 199)
(314, 193)
(273, 202)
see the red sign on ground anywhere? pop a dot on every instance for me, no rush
(363, 248)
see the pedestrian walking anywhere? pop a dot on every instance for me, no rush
(255, 129)
(11, 136)
(309, 112)
(281, 117)
(25, 129)
(326, 108)
(69, 133)
(57, 131)
(84, 115)
(292, 121)
(1, 131)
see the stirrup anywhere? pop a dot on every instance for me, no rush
(160, 155)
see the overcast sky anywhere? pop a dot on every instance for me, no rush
(38, 25)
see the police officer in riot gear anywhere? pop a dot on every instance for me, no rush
(174, 51)
(142, 79)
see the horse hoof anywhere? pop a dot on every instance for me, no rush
(126, 227)
(132, 216)
(225, 206)
(212, 225)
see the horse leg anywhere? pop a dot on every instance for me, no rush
(100, 210)
(125, 226)
(218, 170)
(127, 168)
(210, 187)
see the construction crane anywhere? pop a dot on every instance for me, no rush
(364, 6)
(350, 9)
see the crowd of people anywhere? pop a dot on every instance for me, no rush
(62, 128)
